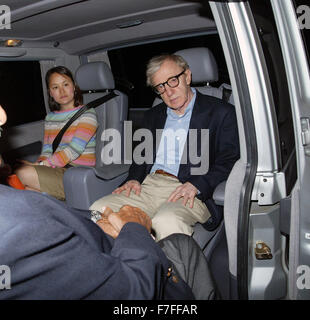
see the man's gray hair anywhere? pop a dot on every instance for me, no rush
(156, 62)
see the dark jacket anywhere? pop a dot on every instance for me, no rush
(208, 113)
(56, 252)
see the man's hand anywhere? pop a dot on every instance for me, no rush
(105, 224)
(112, 222)
(128, 186)
(129, 214)
(186, 191)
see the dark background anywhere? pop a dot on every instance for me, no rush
(129, 65)
(21, 93)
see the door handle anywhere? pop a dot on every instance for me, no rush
(305, 134)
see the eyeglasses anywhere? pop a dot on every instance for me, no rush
(172, 82)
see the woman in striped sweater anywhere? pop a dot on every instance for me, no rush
(77, 146)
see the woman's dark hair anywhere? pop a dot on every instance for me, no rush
(78, 97)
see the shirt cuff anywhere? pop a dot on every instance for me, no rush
(49, 161)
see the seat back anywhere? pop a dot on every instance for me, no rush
(204, 69)
(97, 80)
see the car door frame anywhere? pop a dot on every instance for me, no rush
(260, 154)
(298, 75)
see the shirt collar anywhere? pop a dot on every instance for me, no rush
(188, 109)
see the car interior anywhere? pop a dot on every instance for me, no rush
(107, 44)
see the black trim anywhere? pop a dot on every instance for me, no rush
(48, 10)
(252, 156)
(228, 1)
(95, 91)
(250, 174)
(233, 287)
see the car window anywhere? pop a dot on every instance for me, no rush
(21, 91)
(267, 31)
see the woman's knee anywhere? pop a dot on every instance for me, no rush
(27, 175)
(22, 171)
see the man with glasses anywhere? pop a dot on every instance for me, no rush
(169, 189)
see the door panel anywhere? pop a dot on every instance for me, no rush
(253, 54)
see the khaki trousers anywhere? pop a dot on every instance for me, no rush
(167, 217)
(51, 181)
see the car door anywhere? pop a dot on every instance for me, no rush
(290, 28)
(261, 187)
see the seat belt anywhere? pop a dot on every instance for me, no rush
(91, 104)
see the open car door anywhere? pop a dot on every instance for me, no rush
(267, 220)
(297, 69)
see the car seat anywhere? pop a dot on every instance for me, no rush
(84, 185)
(204, 70)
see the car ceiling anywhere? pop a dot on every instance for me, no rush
(78, 26)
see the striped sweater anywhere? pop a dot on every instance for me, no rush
(77, 146)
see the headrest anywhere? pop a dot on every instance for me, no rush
(94, 76)
(202, 63)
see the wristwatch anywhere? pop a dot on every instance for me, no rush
(95, 216)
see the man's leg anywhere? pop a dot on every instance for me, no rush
(153, 193)
(174, 217)
(167, 217)
(116, 201)
(190, 264)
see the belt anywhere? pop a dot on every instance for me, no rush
(164, 173)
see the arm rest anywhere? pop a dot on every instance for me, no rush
(219, 194)
(83, 187)
(111, 171)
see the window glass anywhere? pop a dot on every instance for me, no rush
(21, 91)
(264, 19)
(129, 65)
